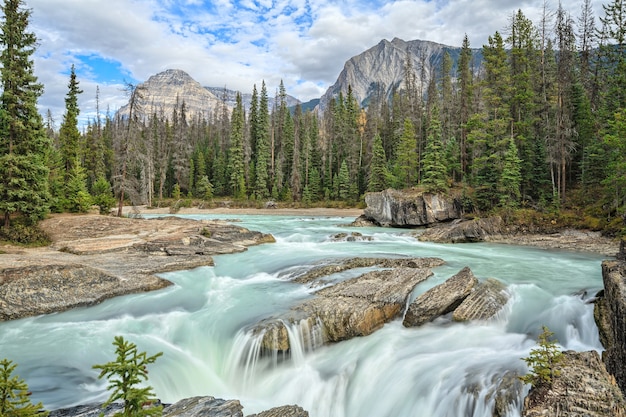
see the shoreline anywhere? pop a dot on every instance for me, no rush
(305, 212)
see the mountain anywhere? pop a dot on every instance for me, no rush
(161, 92)
(382, 68)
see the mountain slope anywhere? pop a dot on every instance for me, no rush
(381, 69)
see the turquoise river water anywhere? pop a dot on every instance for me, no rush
(442, 369)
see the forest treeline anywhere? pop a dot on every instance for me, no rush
(540, 123)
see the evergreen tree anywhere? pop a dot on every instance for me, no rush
(466, 91)
(343, 182)
(24, 146)
(125, 374)
(379, 175)
(237, 175)
(406, 163)
(262, 130)
(510, 178)
(14, 401)
(434, 178)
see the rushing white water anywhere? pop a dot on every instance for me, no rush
(441, 369)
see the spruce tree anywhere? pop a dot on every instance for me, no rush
(14, 394)
(434, 178)
(75, 196)
(124, 375)
(379, 174)
(237, 175)
(24, 145)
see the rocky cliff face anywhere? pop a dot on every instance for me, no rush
(168, 89)
(610, 314)
(381, 69)
(405, 209)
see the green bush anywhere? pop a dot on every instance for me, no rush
(22, 234)
(125, 374)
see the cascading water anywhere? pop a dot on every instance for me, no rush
(202, 325)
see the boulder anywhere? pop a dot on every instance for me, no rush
(410, 209)
(352, 308)
(440, 300)
(336, 266)
(460, 231)
(483, 303)
(582, 387)
(610, 315)
(350, 237)
(188, 407)
(284, 411)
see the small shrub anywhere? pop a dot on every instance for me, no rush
(22, 234)
(14, 394)
(543, 361)
(125, 374)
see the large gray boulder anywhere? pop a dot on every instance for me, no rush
(352, 308)
(483, 303)
(410, 209)
(582, 387)
(460, 231)
(440, 300)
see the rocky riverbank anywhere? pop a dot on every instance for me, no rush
(94, 257)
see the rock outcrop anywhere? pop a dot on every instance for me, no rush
(440, 300)
(410, 209)
(93, 258)
(582, 388)
(610, 314)
(352, 308)
(483, 303)
(188, 407)
(459, 231)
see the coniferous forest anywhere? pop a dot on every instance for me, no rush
(540, 126)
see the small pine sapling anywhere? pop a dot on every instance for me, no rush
(542, 361)
(14, 394)
(124, 375)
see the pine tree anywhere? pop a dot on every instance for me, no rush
(24, 146)
(406, 163)
(236, 154)
(466, 91)
(343, 182)
(543, 361)
(510, 178)
(434, 178)
(14, 401)
(124, 375)
(379, 175)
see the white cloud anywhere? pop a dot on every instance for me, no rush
(219, 43)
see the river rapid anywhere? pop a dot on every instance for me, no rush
(442, 369)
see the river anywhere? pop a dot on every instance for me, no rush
(442, 369)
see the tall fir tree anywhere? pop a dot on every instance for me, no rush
(379, 174)
(24, 145)
(434, 178)
(236, 168)
(75, 196)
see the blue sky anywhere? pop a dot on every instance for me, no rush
(239, 43)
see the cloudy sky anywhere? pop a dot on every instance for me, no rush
(239, 43)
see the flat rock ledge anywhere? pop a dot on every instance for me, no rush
(484, 302)
(583, 389)
(355, 307)
(93, 258)
(188, 407)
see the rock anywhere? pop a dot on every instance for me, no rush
(459, 231)
(352, 263)
(507, 394)
(484, 302)
(610, 314)
(582, 388)
(350, 237)
(204, 407)
(404, 209)
(94, 257)
(363, 221)
(284, 411)
(352, 308)
(440, 300)
(44, 289)
(188, 407)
